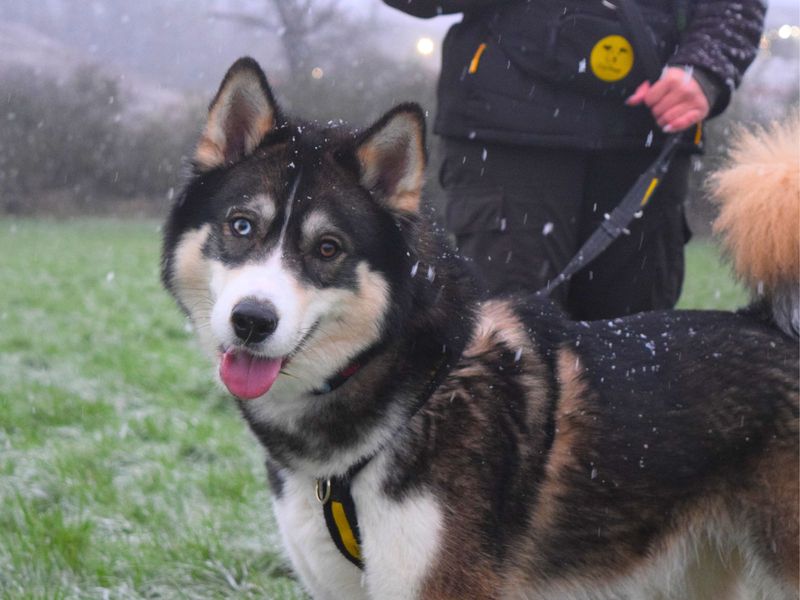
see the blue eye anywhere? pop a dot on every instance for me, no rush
(241, 227)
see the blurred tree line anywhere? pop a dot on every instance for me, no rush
(68, 137)
(81, 138)
(81, 131)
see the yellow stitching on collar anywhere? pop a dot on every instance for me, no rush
(345, 532)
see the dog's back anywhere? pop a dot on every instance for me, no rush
(674, 460)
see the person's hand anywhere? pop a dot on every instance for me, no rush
(676, 100)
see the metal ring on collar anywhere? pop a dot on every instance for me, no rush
(323, 497)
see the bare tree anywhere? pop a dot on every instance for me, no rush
(304, 27)
(336, 65)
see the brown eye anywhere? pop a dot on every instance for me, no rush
(241, 227)
(328, 248)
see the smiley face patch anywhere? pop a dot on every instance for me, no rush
(611, 58)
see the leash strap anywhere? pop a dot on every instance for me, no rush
(619, 219)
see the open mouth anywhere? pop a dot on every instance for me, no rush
(247, 375)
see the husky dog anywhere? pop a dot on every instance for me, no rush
(423, 443)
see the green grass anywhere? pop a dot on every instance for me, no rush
(709, 283)
(124, 472)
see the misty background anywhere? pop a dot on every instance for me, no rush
(101, 101)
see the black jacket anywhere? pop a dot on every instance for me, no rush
(526, 71)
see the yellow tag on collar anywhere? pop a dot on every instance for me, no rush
(611, 58)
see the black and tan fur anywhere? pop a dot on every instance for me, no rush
(654, 456)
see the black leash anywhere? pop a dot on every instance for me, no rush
(617, 222)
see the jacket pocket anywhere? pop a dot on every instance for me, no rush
(582, 47)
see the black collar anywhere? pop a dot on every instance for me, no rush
(354, 367)
(338, 379)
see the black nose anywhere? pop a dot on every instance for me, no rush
(253, 322)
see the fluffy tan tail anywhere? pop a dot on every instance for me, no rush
(758, 191)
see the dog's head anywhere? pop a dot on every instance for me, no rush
(291, 244)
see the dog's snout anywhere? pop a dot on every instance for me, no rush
(253, 321)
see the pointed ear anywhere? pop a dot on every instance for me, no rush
(391, 156)
(241, 114)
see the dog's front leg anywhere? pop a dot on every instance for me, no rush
(406, 555)
(401, 538)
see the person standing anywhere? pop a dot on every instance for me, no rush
(548, 119)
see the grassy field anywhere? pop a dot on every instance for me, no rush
(124, 472)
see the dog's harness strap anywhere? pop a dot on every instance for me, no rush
(339, 511)
(338, 506)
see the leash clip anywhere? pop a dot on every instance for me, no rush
(323, 496)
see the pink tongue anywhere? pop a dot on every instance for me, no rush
(247, 376)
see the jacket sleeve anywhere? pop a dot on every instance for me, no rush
(721, 40)
(432, 8)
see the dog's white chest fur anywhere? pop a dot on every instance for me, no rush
(399, 540)
(324, 572)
